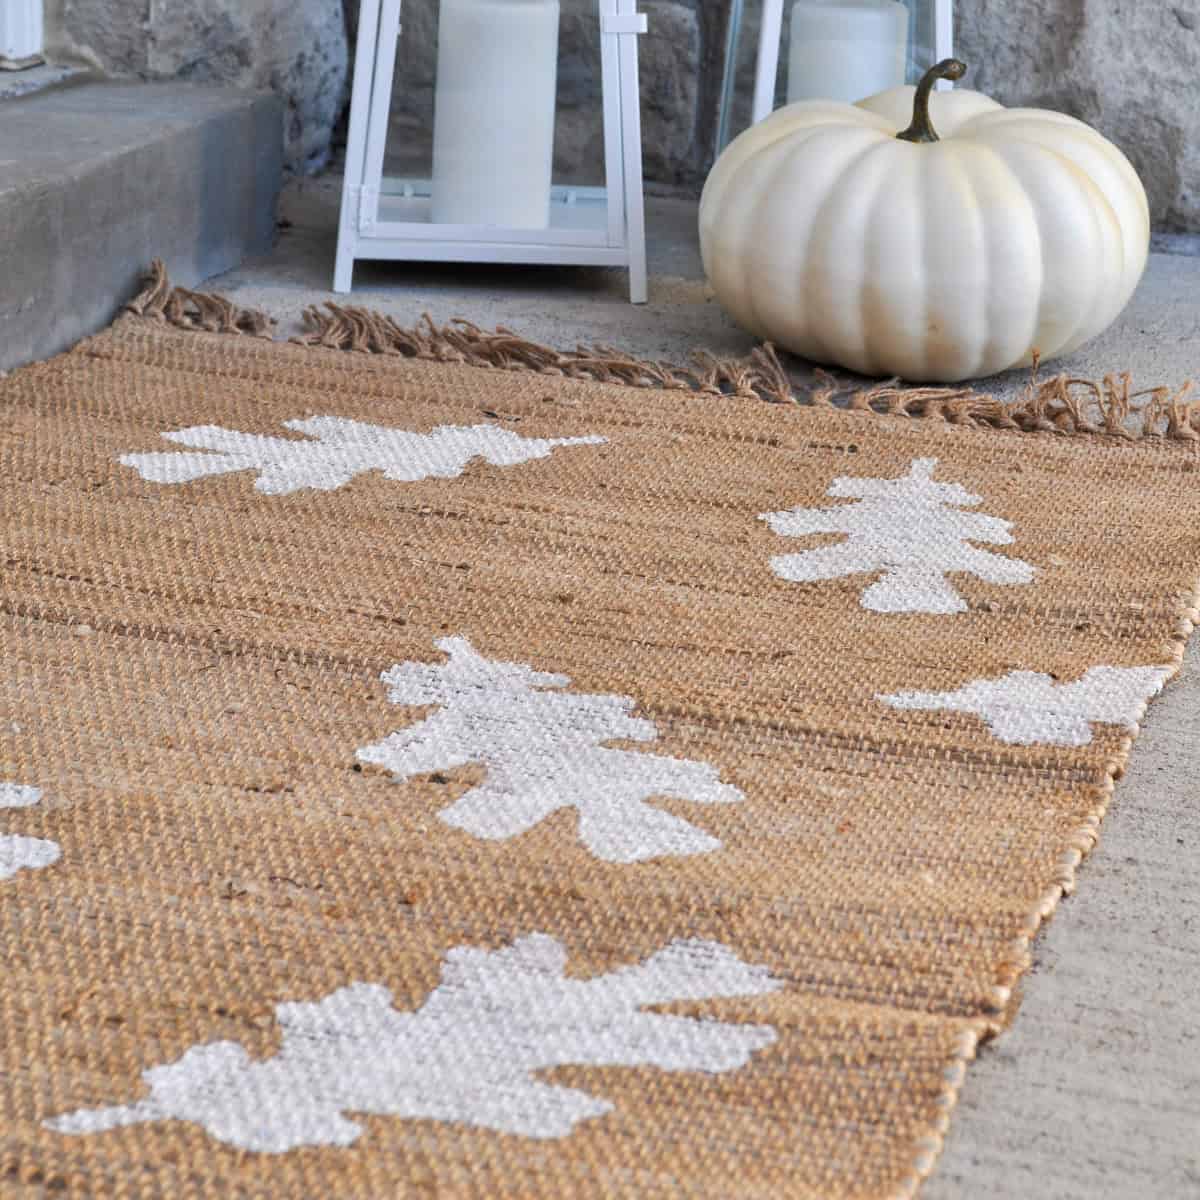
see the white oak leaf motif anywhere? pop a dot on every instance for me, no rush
(911, 531)
(543, 750)
(1025, 708)
(23, 853)
(469, 1054)
(339, 450)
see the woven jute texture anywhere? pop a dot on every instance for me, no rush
(394, 813)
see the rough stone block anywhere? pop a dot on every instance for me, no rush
(296, 48)
(1128, 69)
(669, 78)
(99, 178)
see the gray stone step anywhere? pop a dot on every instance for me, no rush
(99, 177)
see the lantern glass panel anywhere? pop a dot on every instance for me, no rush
(496, 118)
(922, 39)
(824, 59)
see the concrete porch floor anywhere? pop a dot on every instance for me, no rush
(1094, 1094)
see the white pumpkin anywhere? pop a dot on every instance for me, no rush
(1011, 232)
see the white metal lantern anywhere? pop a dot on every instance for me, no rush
(489, 197)
(840, 49)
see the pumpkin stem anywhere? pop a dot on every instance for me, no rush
(921, 129)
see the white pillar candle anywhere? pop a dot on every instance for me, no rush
(493, 127)
(846, 49)
(21, 31)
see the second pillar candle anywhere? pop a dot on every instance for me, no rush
(846, 49)
(493, 131)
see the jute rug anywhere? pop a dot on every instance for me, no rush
(426, 779)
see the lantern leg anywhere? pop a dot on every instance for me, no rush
(631, 152)
(767, 68)
(639, 286)
(343, 270)
(733, 41)
(356, 144)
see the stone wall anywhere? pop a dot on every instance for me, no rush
(1128, 68)
(296, 48)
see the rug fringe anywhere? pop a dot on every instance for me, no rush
(178, 306)
(1060, 405)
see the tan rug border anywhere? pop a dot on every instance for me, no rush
(1020, 958)
(1058, 405)
(1062, 404)
(1084, 840)
(928, 1148)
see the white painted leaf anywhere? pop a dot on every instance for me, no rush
(1025, 708)
(18, 853)
(468, 1055)
(542, 749)
(911, 532)
(338, 450)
